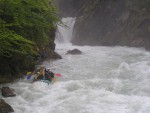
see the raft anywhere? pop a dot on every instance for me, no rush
(30, 78)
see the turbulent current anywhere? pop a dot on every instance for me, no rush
(100, 80)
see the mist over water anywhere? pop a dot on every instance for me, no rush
(100, 80)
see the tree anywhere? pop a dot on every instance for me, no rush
(25, 25)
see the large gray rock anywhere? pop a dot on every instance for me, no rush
(8, 92)
(5, 108)
(74, 52)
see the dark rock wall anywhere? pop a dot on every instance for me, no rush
(109, 22)
(70, 8)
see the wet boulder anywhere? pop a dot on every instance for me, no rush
(8, 92)
(74, 52)
(55, 55)
(5, 108)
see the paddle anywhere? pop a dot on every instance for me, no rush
(28, 77)
(57, 74)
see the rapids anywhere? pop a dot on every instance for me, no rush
(100, 80)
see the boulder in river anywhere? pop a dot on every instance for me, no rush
(8, 92)
(5, 108)
(74, 52)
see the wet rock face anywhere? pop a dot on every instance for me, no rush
(47, 53)
(70, 8)
(74, 52)
(5, 108)
(8, 92)
(110, 22)
(55, 55)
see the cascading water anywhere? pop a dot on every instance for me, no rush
(100, 80)
(64, 33)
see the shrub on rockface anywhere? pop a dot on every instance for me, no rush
(25, 26)
(33, 20)
(15, 52)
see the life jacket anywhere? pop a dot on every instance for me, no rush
(41, 73)
(49, 75)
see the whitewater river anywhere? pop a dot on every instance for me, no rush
(100, 80)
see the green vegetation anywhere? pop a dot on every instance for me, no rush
(24, 26)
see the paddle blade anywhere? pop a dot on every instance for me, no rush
(28, 73)
(29, 77)
(57, 74)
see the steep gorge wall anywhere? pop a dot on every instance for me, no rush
(70, 8)
(109, 22)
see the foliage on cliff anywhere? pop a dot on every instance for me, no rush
(24, 26)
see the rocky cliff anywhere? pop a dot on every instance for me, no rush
(109, 22)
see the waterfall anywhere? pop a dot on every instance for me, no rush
(64, 32)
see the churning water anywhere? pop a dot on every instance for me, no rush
(100, 80)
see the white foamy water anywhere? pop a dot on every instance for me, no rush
(100, 80)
